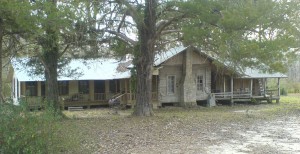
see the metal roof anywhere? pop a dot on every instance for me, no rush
(109, 68)
(247, 73)
(166, 55)
(98, 69)
(254, 73)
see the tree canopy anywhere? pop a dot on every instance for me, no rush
(14, 16)
(247, 33)
(262, 34)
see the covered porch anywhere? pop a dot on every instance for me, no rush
(86, 93)
(245, 88)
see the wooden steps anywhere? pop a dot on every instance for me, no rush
(75, 108)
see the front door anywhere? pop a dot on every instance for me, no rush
(200, 86)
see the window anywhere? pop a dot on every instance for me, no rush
(83, 86)
(171, 84)
(31, 88)
(63, 87)
(200, 83)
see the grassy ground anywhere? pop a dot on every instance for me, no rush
(171, 130)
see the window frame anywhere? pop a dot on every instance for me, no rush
(199, 84)
(83, 86)
(169, 92)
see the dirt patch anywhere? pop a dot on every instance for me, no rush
(278, 136)
(239, 129)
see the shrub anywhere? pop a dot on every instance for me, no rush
(22, 131)
(283, 92)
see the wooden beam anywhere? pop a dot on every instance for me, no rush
(278, 87)
(251, 87)
(92, 90)
(224, 84)
(231, 88)
(107, 92)
(126, 90)
(265, 85)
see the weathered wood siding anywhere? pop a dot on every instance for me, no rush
(73, 87)
(205, 71)
(241, 84)
(163, 73)
(174, 66)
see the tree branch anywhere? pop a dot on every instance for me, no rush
(163, 24)
(123, 37)
(132, 12)
(64, 51)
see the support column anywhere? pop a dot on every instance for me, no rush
(107, 94)
(188, 91)
(224, 83)
(265, 86)
(92, 90)
(39, 88)
(231, 89)
(19, 89)
(251, 87)
(278, 87)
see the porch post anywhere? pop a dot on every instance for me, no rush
(92, 90)
(107, 94)
(251, 86)
(278, 87)
(126, 90)
(265, 85)
(231, 88)
(156, 87)
(224, 84)
(18, 89)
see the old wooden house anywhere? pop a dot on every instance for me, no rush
(188, 76)
(182, 76)
(96, 82)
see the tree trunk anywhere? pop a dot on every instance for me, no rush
(51, 82)
(50, 60)
(50, 55)
(144, 61)
(1, 52)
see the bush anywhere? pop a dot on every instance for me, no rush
(22, 131)
(283, 92)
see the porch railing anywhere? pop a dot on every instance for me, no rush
(272, 92)
(100, 96)
(235, 94)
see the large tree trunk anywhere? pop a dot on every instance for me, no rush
(50, 47)
(50, 60)
(144, 61)
(50, 63)
(1, 52)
